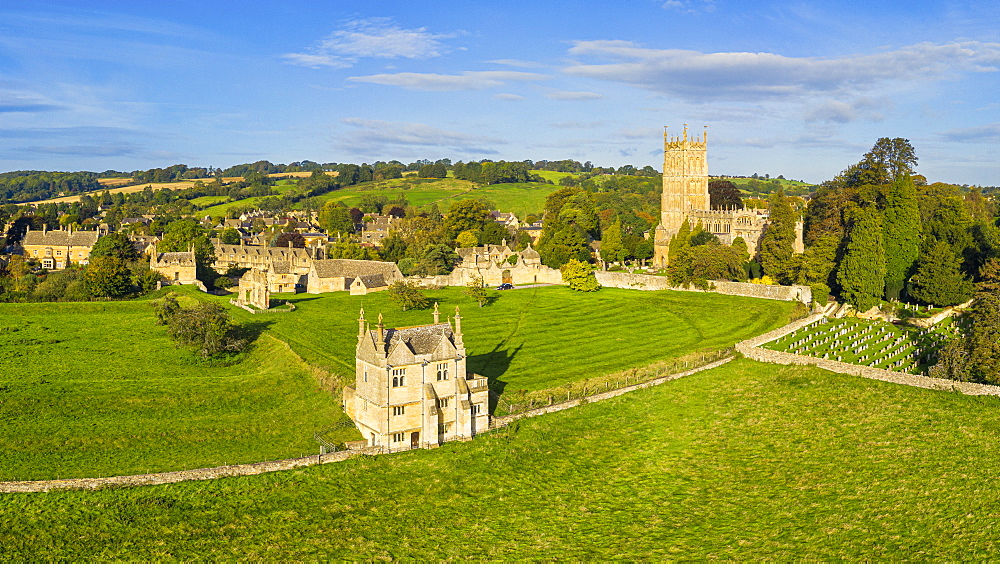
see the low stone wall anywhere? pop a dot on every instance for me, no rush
(180, 475)
(751, 349)
(649, 282)
(497, 422)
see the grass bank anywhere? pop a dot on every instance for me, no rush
(747, 461)
(91, 389)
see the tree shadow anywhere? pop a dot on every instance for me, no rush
(493, 365)
(252, 330)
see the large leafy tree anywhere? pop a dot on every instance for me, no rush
(114, 245)
(938, 280)
(778, 241)
(205, 328)
(108, 276)
(579, 276)
(861, 275)
(467, 215)
(984, 334)
(612, 243)
(335, 217)
(901, 234)
(723, 194)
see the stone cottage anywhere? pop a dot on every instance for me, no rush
(411, 387)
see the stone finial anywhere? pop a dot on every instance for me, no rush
(437, 314)
(458, 325)
(381, 329)
(361, 323)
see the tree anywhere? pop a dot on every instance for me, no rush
(205, 328)
(777, 243)
(938, 279)
(579, 276)
(984, 333)
(887, 161)
(437, 259)
(612, 244)
(723, 194)
(406, 295)
(467, 215)
(901, 234)
(229, 236)
(165, 309)
(335, 218)
(114, 245)
(861, 275)
(285, 240)
(476, 289)
(467, 239)
(559, 247)
(108, 276)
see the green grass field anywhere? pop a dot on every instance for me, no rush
(107, 393)
(90, 389)
(745, 462)
(538, 338)
(553, 175)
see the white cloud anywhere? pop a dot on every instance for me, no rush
(746, 76)
(574, 96)
(371, 136)
(371, 38)
(839, 111)
(689, 6)
(508, 96)
(517, 63)
(469, 80)
(988, 132)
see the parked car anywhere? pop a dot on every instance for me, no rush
(505, 286)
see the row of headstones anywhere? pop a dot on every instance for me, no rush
(907, 362)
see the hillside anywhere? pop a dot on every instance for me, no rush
(744, 462)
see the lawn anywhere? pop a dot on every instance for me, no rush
(92, 389)
(538, 338)
(748, 461)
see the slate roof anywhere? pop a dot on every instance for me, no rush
(254, 250)
(422, 339)
(349, 268)
(60, 238)
(183, 258)
(373, 280)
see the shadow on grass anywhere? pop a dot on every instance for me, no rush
(493, 365)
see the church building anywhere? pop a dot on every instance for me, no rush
(685, 197)
(411, 387)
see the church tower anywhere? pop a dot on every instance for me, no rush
(685, 186)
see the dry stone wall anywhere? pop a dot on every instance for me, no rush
(649, 282)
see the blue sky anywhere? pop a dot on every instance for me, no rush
(799, 89)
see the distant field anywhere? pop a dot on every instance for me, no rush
(540, 338)
(91, 389)
(746, 462)
(520, 199)
(418, 191)
(553, 175)
(162, 185)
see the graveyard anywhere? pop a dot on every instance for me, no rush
(878, 344)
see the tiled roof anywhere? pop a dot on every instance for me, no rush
(61, 238)
(184, 258)
(422, 339)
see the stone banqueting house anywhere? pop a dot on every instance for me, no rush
(685, 197)
(254, 290)
(411, 387)
(58, 249)
(177, 267)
